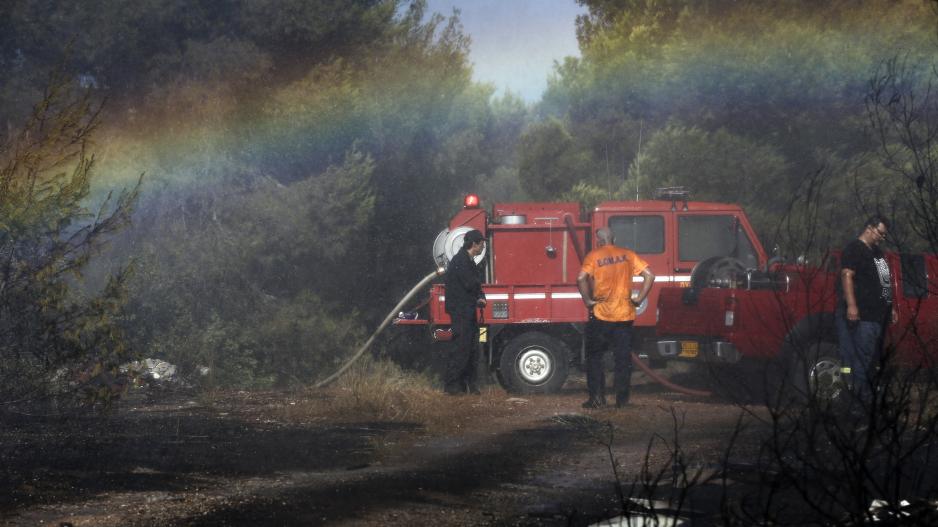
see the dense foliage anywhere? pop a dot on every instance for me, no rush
(300, 157)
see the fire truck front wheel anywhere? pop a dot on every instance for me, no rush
(817, 373)
(533, 362)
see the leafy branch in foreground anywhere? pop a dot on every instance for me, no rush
(48, 234)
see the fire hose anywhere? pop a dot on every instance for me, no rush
(387, 320)
(426, 280)
(664, 382)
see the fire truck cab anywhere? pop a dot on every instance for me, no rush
(532, 325)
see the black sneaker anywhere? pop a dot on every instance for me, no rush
(594, 403)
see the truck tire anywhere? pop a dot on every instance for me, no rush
(816, 375)
(533, 362)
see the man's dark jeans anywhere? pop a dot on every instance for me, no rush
(463, 360)
(859, 344)
(601, 336)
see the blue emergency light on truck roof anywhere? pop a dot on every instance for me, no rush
(471, 201)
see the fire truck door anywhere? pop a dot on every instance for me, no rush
(645, 233)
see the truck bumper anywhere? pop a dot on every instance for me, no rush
(725, 352)
(720, 351)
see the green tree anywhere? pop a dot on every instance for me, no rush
(717, 166)
(119, 46)
(247, 283)
(47, 238)
(789, 76)
(589, 195)
(550, 160)
(301, 157)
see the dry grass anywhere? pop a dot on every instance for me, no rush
(379, 390)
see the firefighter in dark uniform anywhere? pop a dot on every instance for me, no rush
(463, 295)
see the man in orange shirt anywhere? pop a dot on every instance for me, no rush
(605, 283)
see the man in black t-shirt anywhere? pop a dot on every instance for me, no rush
(865, 304)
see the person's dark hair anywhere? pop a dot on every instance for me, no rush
(875, 220)
(473, 236)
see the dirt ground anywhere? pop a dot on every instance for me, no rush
(244, 459)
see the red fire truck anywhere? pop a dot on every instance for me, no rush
(783, 317)
(532, 326)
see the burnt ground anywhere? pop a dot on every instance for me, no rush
(240, 459)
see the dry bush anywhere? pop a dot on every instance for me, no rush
(379, 390)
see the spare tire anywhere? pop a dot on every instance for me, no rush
(717, 271)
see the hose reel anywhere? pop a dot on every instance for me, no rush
(449, 242)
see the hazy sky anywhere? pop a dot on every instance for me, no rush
(515, 42)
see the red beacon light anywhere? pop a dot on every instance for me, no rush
(471, 201)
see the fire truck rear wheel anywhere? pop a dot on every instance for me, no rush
(533, 362)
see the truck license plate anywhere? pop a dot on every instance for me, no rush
(689, 348)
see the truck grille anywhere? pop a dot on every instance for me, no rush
(500, 310)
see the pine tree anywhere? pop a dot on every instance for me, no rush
(53, 336)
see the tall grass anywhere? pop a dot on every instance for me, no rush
(381, 390)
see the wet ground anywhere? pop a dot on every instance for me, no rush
(239, 459)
